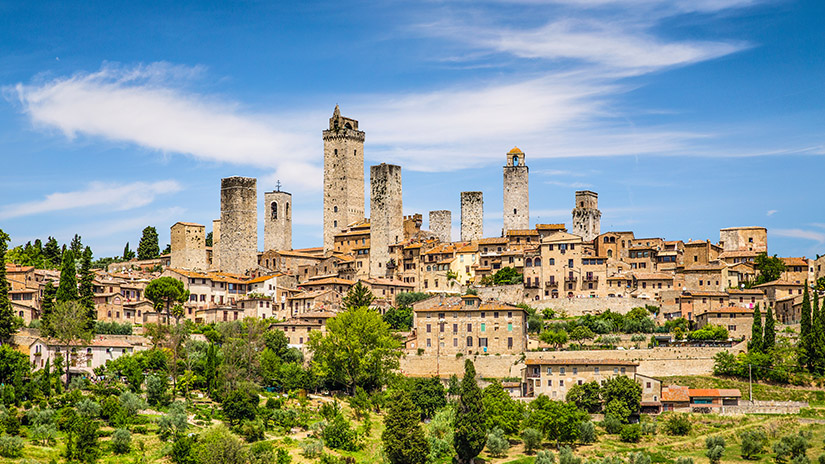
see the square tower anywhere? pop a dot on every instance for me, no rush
(277, 220)
(386, 215)
(188, 244)
(516, 192)
(441, 224)
(586, 215)
(343, 176)
(239, 225)
(472, 216)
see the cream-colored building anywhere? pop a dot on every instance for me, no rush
(555, 377)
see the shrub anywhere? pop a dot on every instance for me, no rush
(532, 440)
(11, 447)
(43, 434)
(545, 457)
(79, 383)
(131, 403)
(497, 444)
(338, 434)
(648, 428)
(440, 433)
(791, 447)
(240, 405)
(252, 430)
(612, 425)
(311, 448)
(89, 408)
(678, 424)
(121, 441)
(157, 387)
(715, 448)
(175, 422)
(630, 433)
(566, 456)
(639, 458)
(684, 460)
(218, 444)
(753, 442)
(261, 453)
(181, 452)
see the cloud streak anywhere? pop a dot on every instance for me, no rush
(803, 234)
(99, 195)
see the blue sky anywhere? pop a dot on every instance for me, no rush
(686, 116)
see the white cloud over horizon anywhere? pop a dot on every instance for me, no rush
(803, 234)
(105, 197)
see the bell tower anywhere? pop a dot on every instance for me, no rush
(516, 193)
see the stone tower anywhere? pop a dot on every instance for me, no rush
(441, 224)
(277, 219)
(239, 225)
(188, 246)
(386, 215)
(586, 215)
(216, 244)
(472, 216)
(516, 194)
(343, 176)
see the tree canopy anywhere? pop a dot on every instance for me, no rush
(148, 247)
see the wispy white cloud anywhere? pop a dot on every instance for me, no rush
(814, 235)
(772, 212)
(99, 195)
(575, 185)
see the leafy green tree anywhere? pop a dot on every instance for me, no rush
(209, 239)
(166, 293)
(8, 323)
(400, 318)
(546, 457)
(817, 344)
(715, 448)
(507, 276)
(86, 293)
(427, 394)
(407, 299)
(157, 389)
(68, 327)
(586, 396)
(240, 405)
(357, 349)
(359, 296)
(756, 343)
(218, 444)
(769, 333)
(587, 432)
(622, 389)
(805, 345)
(497, 444)
(403, 439)
(557, 420)
(470, 418)
(678, 424)
(82, 443)
(557, 338)
(753, 442)
(503, 412)
(148, 247)
(46, 308)
(14, 368)
(581, 334)
(791, 447)
(769, 268)
(630, 433)
(127, 253)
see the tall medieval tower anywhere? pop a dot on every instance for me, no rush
(343, 176)
(586, 215)
(516, 193)
(239, 225)
(472, 216)
(386, 215)
(277, 219)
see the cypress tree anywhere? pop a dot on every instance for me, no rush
(755, 343)
(127, 253)
(67, 288)
(404, 441)
(148, 247)
(87, 295)
(470, 429)
(8, 326)
(817, 336)
(769, 339)
(51, 253)
(76, 246)
(46, 385)
(46, 307)
(804, 343)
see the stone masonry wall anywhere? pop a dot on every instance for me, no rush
(343, 178)
(239, 224)
(514, 294)
(516, 198)
(586, 215)
(386, 215)
(472, 216)
(216, 244)
(277, 221)
(188, 245)
(441, 224)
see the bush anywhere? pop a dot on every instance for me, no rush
(338, 434)
(684, 460)
(121, 441)
(312, 448)
(182, 450)
(79, 383)
(218, 444)
(43, 434)
(716, 448)
(678, 424)
(173, 423)
(497, 444)
(612, 425)
(11, 447)
(791, 447)
(630, 433)
(587, 432)
(545, 457)
(131, 403)
(157, 387)
(240, 405)
(649, 428)
(639, 458)
(252, 430)
(261, 453)
(532, 440)
(89, 408)
(566, 456)
(753, 442)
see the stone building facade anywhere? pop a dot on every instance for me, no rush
(216, 242)
(472, 216)
(188, 244)
(586, 215)
(386, 215)
(516, 192)
(753, 239)
(277, 220)
(343, 176)
(441, 224)
(239, 225)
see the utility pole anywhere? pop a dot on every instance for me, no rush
(750, 382)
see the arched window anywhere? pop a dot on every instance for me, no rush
(537, 262)
(552, 261)
(274, 208)
(609, 253)
(515, 161)
(336, 151)
(286, 211)
(334, 209)
(354, 152)
(348, 125)
(334, 223)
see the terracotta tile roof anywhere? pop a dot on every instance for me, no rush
(710, 294)
(652, 276)
(585, 362)
(320, 314)
(390, 282)
(457, 305)
(493, 241)
(549, 226)
(745, 291)
(738, 254)
(676, 394)
(795, 261)
(522, 232)
(713, 392)
(262, 278)
(296, 322)
(779, 282)
(327, 281)
(188, 224)
(729, 310)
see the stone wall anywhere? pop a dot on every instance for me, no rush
(386, 215)
(239, 225)
(277, 220)
(343, 176)
(441, 224)
(491, 366)
(472, 216)
(216, 242)
(188, 246)
(516, 197)
(515, 294)
(764, 407)
(586, 216)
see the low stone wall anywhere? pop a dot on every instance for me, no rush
(444, 366)
(765, 407)
(582, 306)
(512, 294)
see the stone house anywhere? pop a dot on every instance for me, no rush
(797, 270)
(554, 377)
(738, 320)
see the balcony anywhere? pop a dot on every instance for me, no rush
(570, 278)
(551, 284)
(591, 278)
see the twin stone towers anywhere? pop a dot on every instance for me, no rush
(235, 237)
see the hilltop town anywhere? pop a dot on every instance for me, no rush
(538, 310)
